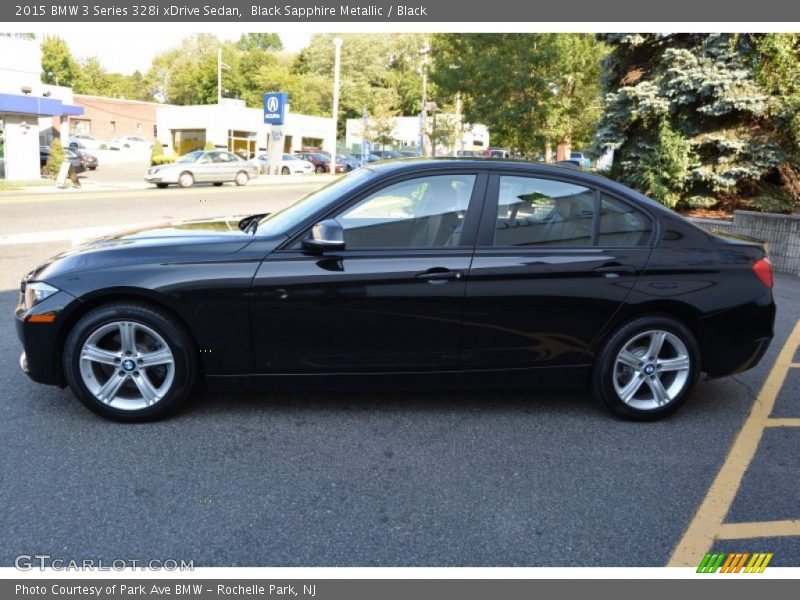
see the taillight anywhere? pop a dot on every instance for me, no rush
(763, 270)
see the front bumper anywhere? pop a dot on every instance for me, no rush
(42, 342)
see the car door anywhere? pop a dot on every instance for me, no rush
(391, 300)
(554, 260)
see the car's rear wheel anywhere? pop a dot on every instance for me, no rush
(285, 171)
(129, 362)
(186, 179)
(241, 178)
(646, 368)
(320, 169)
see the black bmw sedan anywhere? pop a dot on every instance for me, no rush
(462, 272)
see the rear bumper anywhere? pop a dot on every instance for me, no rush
(736, 339)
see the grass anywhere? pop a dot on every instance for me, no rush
(18, 184)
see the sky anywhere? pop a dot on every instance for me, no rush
(140, 47)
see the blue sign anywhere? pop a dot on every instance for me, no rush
(275, 107)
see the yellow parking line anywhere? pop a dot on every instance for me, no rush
(783, 422)
(743, 531)
(707, 523)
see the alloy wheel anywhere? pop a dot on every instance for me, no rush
(651, 370)
(127, 365)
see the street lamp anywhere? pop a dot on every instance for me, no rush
(337, 43)
(220, 65)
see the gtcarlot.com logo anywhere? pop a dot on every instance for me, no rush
(29, 562)
(734, 562)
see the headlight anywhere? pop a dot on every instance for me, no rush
(36, 292)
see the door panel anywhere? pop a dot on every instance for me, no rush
(541, 286)
(391, 301)
(358, 312)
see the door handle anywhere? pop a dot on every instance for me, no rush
(616, 269)
(439, 275)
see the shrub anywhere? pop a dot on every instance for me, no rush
(156, 152)
(773, 198)
(209, 145)
(163, 159)
(699, 202)
(57, 156)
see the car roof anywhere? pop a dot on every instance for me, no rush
(403, 165)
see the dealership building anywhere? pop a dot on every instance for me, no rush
(31, 113)
(406, 134)
(234, 126)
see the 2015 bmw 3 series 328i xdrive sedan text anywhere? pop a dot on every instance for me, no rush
(457, 271)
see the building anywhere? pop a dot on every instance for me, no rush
(31, 113)
(234, 126)
(108, 118)
(406, 133)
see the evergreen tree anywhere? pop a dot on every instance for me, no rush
(687, 117)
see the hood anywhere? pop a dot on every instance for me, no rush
(183, 240)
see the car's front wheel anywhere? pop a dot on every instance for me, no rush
(129, 362)
(186, 180)
(285, 171)
(646, 368)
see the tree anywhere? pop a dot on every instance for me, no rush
(259, 41)
(370, 65)
(58, 66)
(56, 157)
(695, 94)
(529, 89)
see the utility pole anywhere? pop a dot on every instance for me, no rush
(337, 42)
(424, 126)
(459, 133)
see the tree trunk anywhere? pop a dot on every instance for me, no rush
(564, 148)
(548, 151)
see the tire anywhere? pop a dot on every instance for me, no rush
(133, 393)
(93, 168)
(654, 388)
(217, 183)
(186, 179)
(161, 185)
(285, 171)
(319, 169)
(241, 178)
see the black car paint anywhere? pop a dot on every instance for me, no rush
(260, 306)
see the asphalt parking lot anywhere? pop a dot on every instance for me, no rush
(394, 478)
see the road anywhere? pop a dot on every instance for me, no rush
(396, 478)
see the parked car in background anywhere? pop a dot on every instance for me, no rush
(201, 166)
(455, 273)
(132, 142)
(74, 159)
(87, 142)
(88, 159)
(579, 158)
(350, 161)
(321, 162)
(290, 165)
(387, 154)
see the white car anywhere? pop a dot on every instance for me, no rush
(290, 164)
(88, 142)
(133, 142)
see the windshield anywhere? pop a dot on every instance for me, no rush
(283, 220)
(191, 157)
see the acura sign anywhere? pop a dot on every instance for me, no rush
(275, 107)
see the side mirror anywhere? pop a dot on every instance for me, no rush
(325, 235)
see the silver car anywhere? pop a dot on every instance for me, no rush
(203, 166)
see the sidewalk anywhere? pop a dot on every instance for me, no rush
(111, 186)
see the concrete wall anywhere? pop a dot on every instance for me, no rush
(780, 232)
(21, 134)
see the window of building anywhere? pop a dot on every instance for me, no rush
(80, 127)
